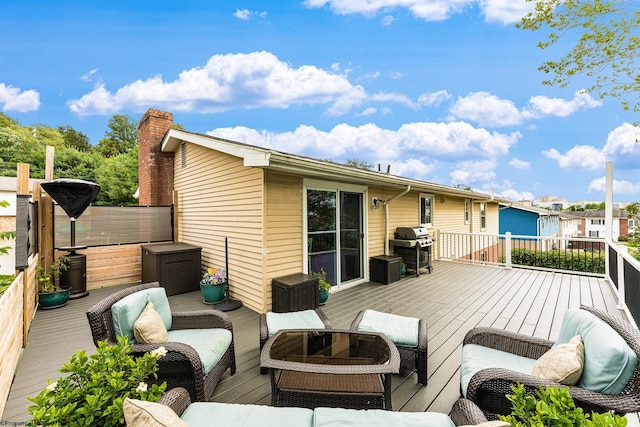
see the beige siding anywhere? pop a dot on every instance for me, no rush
(218, 197)
(403, 211)
(284, 229)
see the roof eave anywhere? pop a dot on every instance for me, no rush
(305, 166)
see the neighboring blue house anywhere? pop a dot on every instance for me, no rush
(528, 221)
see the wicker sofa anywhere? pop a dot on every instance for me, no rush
(610, 380)
(464, 412)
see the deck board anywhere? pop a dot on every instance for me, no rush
(455, 298)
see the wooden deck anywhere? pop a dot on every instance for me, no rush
(454, 298)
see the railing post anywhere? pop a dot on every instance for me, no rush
(622, 301)
(507, 249)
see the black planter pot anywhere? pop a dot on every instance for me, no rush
(48, 300)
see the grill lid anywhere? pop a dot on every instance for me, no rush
(410, 233)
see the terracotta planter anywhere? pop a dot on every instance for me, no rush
(212, 293)
(48, 300)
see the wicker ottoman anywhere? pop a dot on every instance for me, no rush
(306, 319)
(407, 333)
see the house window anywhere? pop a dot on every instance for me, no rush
(426, 210)
(483, 216)
(467, 211)
(597, 222)
(593, 233)
(183, 155)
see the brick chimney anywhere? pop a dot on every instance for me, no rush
(155, 168)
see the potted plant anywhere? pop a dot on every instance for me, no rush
(93, 388)
(324, 287)
(213, 284)
(50, 295)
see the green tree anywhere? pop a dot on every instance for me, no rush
(75, 139)
(360, 164)
(121, 137)
(118, 179)
(69, 162)
(606, 50)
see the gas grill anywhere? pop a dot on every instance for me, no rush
(414, 246)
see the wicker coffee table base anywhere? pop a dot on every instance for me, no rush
(311, 390)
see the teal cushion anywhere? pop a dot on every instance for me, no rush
(210, 344)
(334, 417)
(126, 311)
(201, 414)
(306, 319)
(399, 329)
(476, 358)
(608, 361)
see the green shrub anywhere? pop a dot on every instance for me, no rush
(93, 391)
(552, 406)
(579, 260)
(5, 281)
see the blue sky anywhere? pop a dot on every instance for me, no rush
(445, 91)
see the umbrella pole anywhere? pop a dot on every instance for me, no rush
(228, 304)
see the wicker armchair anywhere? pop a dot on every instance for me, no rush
(464, 412)
(488, 387)
(264, 331)
(181, 367)
(412, 358)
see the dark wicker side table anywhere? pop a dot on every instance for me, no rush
(177, 266)
(294, 292)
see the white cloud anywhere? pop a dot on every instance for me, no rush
(411, 168)
(387, 20)
(503, 11)
(579, 157)
(489, 110)
(599, 185)
(14, 99)
(455, 139)
(246, 14)
(542, 106)
(519, 164)
(368, 112)
(430, 10)
(623, 147)
(515, 195)
(469, 172)
(486, 110)
(89, 76)
(226, 82)
(434, 98)
(421, 140)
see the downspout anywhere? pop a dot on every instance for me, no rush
(386, 217)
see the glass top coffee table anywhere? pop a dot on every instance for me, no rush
(330, 368)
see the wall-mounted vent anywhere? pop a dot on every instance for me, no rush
(183, 155)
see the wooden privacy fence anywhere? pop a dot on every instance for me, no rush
(17, 309)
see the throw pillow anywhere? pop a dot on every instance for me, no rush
(149, 328)
(139, 413)
(563, 363)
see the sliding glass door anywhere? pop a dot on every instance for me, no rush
(335, 234)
